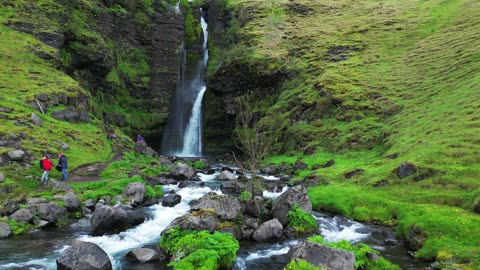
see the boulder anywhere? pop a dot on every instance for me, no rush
(181, 171)
(16, 155)
(143, 148)
(199, 221)
(109, 220)
(137, 191)
(299, 165)
(405, 169)
(253, 207)
(225, 207)
(82, 256)
(2, 178)
(164, 161)
(170, 200)
(72, 203)
(51, 212)
(5, 230)
(142, 255)
(226, 175)
(322, 256)
(268, 231)
(248, 226)
(22, 215)
(296, 195)
(9, 207)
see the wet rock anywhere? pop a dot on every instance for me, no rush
(322, 256)
(137, 191)
(16, 155)
(142, 255)
(181, 171)
(226, 175)
(296, 195)
(22, 215)
(5, 230)
(225, 207)
(84, 255)
(72, 203)
(170, 200)
(269, 231)
(405, 169)
(109, 220)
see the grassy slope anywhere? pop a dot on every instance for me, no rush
(409, 88)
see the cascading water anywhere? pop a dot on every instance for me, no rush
(183, 134)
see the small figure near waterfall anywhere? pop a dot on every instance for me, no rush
(62, 161)
(140, 138)
(47, 166)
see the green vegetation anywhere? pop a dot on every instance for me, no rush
(199, 249)
(360, 251)
(245, 196)
(302, 221)
(371, 85)
(301, 265)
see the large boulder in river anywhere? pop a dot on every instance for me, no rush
(198, 221)
(322, 256)
(142, 255)
(182, 171)
(170, 200)
(225, 207)
(109, 220)
(269, 231)
(137, 191)
(227, 175)
(296, 195)
(83, 256)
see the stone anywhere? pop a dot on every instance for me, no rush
(199, 221)
(82, 256)
(181, 171)
(9, 207)
(296, 195)
(170, 200)
(16, 155)
(2, 178)
(109, 220)
(225, 207)
(226, 175)
(22, 215)
(51, 212)
(72, 203)
(5, 230)
(36, 120)
(269, 231)
(137, 191)
(142, 255)
(322, 256)
(405, 169)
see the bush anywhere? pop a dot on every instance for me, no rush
(301, 265)
(302, 221)
(199, 249)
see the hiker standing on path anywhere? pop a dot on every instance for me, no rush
(140, 138)
(62, 161)
(47, 166)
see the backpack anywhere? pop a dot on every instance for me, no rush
(41, 164)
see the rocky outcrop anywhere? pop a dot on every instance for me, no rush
(143, 148)
(71, 202)
(136, 191)
(51, 212)
(296, 195)
(84, 255)
(322, 256)
(182, 171)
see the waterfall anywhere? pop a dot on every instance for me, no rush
(183, 134)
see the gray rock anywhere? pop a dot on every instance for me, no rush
(405, 169)
(322, 256)
(2, 178)
(16, 155)
(59, 115)
(199, 221)
(170, 200)
(253, 207)
(72, 203)
(164, 161)
(143, 148)
(137, 191)
(226, 175)
(142, 255)
(248, 226)
(225, 207)
(22, 215)
(83, 256)
(36, 200)
(5, 230)
(36, 120)
(269, 231)
(109, 220)
(90, 204)
(51, 212)
(9, 207)
(181, 171)
(296, 195)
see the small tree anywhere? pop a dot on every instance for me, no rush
(253, 139)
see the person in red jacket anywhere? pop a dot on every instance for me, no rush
(47, 167)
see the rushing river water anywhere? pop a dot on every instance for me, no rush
(39, 249)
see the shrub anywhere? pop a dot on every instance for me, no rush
(301, 265)
(245, 195)
(199, 249)
(302, 221)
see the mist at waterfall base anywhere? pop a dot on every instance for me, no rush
(183, 134)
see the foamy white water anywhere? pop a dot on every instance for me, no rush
(274, 194)
(332, 231)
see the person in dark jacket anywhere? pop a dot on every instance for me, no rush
(47, 166)
(62, 161)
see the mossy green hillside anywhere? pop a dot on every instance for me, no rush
(372, 85)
